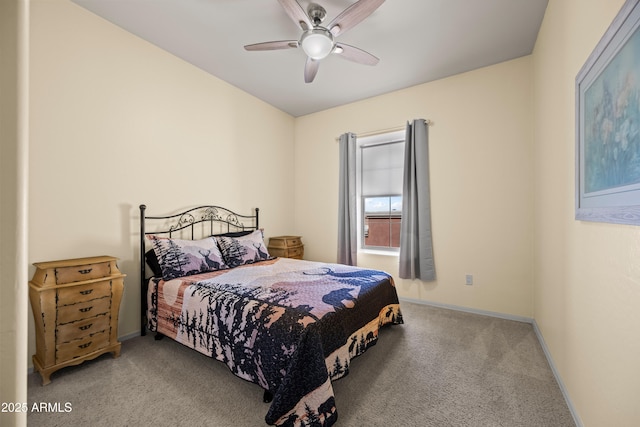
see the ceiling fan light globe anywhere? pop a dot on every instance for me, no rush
(317, 43)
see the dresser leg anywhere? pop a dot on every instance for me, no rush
(46, 377)
(44, 373)
(116, 352)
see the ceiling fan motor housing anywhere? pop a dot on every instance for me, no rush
(316, 13)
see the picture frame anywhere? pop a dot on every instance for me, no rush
(608, 124)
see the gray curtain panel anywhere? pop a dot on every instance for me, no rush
(416, 247)
(347, 227)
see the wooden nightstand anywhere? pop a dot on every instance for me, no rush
(286, 246)
(75, 306)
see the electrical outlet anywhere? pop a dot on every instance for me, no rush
(469, 279)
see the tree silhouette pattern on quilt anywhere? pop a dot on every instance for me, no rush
(263, 336)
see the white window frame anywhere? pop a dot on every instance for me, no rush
(384, 138)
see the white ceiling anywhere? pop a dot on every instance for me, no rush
(417, 41)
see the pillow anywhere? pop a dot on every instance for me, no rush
(179, 258)
(233, 234)
(152, 261)
(243, 249)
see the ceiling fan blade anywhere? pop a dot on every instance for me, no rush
(353, 15)
(296, 13)
(310, 70)
(276, 45)
(355, 54)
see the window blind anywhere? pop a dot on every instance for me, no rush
(382, 167)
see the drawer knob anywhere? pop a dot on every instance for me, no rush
(85, 345)
(86, 292)
(86, 309)
(85, 327)
(85, 271)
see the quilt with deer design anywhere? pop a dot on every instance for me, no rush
(290, 326)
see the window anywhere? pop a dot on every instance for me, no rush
(382, 221)
(380, 168)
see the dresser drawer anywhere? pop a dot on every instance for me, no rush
(79, 273)
(83, 310)
(82, 293)
(82, 328)
(80, 347)
(296, 252)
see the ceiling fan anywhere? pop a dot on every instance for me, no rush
(318, 41)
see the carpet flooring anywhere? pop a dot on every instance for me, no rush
(441, 368)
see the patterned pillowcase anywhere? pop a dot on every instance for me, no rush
(179, 258)
(152, 261)
(244, 249)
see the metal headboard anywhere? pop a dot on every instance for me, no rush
(213, 219)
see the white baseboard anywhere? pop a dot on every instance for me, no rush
(470, 310)
(129, 336)
(565, 393)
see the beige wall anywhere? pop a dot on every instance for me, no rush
(14, 24)
(116, 122)
(481, 183)
(587, 275)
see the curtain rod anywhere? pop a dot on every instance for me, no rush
(382, 131)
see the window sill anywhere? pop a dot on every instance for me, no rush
(378, 252)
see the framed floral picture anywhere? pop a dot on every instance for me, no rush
(608, 124)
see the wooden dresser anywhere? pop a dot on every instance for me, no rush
(75, 306)
(286, 246)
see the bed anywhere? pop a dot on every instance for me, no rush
(290, 326)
